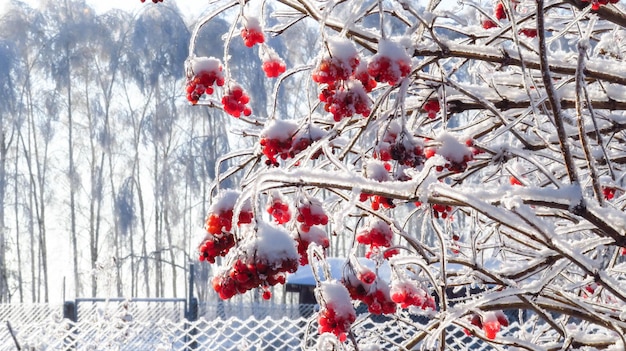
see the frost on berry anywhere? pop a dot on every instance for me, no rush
(336, 313)
(235, 102)
(252, 33)
(273, 65)
(390, 64)
(204, 72)
(263, 258)
(491, 324)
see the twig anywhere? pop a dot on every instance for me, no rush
(17, 344)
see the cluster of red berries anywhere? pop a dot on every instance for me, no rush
(310, 213)
(408, 294)
(330, 322)
(279, 209)
(250, 274)
(364, 287)
(219, 239)
(431, 107)
(456, 160)
(343, 94)
(490, 322)
(304, 239)
(407, 151)
(336, 314)
(275, 147)
(207, 72)
(390, 64)
(274, 67)
(379, 171)
(216, 245)
(235, 102)
(349, 100)
(218, 222)
(378, 235)
(377, 201)
(332, 70)
(443, 211)
(304, 138)
(282, 139)
(252, 33)
(383, 69)
(362, 75)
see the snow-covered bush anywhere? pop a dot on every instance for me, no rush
(471, 146)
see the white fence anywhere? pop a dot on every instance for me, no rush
(223, 327)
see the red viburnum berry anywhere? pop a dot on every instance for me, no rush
(407, 293)
(274, 67)
(608, 192)
(304, 137)
(491, 325)
(514, 181)
(252, 33)
(235, 102)
(361, 74)
(442, 211)
(529, 32)
(488, 24)
(499, 11)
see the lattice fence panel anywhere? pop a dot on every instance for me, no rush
(116, 328)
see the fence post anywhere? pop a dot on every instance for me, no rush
(191, 314)
(70, 312)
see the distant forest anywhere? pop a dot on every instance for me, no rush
(104, 165)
